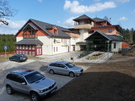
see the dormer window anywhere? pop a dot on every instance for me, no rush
(55, 31)
(110, 30)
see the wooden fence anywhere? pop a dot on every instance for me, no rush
(7, 53)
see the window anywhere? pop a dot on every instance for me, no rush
(64, 41)
(29, 47)
(10, 76)
(33, 47)
(55, 31)
(114, 45)
(61, 65)
(110, 30)
(20, 46)
(33, 77)
(56, 49)
(70, 65)
(26, 52)
(26, 47)
(33, 53)
(53, 64)
(16, 47)
(30, 53)
(19, 79)
(15, 77)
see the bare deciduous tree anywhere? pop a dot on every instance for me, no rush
(6, 11)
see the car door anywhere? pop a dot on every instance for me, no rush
(53, 66)
(20, 84)
(13, 58)
(62, 69)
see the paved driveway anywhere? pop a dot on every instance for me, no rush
(31, 64)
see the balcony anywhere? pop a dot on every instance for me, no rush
(84, 26)
(29, 36)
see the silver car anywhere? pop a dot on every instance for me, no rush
(29, 82)
(65, 68)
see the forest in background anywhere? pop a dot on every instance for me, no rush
(129, 35)
(9, 39)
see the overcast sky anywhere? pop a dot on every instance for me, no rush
(62, 12)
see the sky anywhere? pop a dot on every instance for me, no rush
(62, 12)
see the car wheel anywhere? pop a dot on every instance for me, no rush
(9, 90)
(71, 74)
(51, 71)
(34, 96)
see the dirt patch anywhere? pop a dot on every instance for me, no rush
(101, 82)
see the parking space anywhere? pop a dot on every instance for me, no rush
(30, 64)
(40, 66)
(13, 64)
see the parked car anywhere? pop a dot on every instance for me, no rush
(65, 68)
(18, 57)
(29, 82)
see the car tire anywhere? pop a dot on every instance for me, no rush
(71, 74)
(34, 96)
(51, 71)
(9, 90)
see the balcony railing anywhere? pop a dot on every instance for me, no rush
(29, 36)
(83, 26)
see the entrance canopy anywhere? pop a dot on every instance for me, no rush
(99, 41)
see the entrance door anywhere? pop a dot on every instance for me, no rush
(39, 50)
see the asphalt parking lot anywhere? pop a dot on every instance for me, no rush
(8, 66)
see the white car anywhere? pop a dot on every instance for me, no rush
(65, 68)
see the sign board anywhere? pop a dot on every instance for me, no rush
(5, 47)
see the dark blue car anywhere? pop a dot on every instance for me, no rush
(18, 57)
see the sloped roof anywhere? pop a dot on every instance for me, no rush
(82, 17)
(44, 26)
(114, 38)
(29, 42)
(30, 24)
(98, 19)
(109, 37)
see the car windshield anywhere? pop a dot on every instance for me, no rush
(33, 77)
(70, 65)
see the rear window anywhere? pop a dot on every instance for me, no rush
(10, 76)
